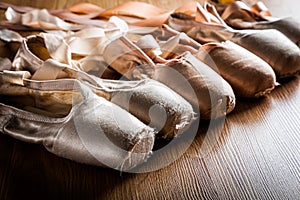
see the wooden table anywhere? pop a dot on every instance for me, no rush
(255, 156)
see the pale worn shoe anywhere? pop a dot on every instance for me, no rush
(95, 132)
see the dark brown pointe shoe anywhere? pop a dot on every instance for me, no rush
(240, 15)
(288, 26)
(273, 47)
(249, 75)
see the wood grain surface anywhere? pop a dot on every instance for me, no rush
(255, 154)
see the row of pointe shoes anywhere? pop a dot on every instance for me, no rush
(47, 81)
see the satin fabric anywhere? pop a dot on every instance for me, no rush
(95, 132)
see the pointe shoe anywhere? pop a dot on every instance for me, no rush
(177, 68)
(257, 16)
(280, 53)
(199, 84)
(94, 131)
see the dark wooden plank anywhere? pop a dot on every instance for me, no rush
(6, 151)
